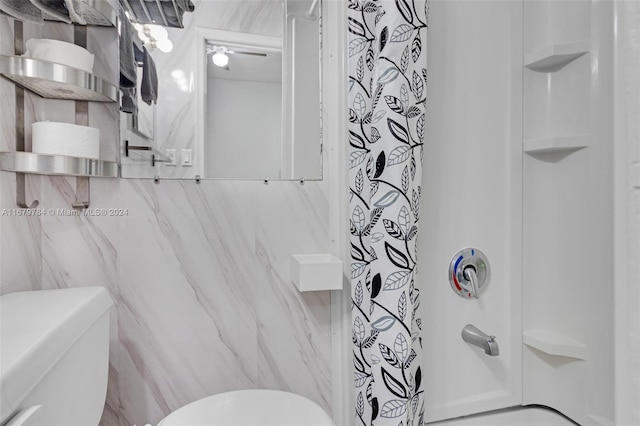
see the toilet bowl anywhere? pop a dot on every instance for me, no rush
(254, 407)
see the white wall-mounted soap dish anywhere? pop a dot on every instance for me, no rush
(316, 272)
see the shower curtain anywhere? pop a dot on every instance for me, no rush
(387, 93)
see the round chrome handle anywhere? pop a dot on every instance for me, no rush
(469, 273)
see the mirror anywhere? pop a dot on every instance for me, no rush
(239, 96)
(243, 102)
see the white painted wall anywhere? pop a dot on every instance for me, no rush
(471, 197)
(244, 129)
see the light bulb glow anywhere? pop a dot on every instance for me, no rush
(143, 36)
(158, 32)
(154, 36)
(220, 59)
(164, 45)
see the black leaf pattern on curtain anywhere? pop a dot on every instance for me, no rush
(387, 94)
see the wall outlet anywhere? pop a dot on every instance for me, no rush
(187, 160)
(171, 155)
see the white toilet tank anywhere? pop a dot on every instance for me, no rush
(54, 356)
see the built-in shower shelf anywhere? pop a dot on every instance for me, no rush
(556, 144)
(41, 164)
(56, 81)
(556, 56)
(554, 344)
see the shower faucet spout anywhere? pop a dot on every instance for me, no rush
(474, 336)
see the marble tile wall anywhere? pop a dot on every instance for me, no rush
(20, 256)
(199, 275)
(22, 264)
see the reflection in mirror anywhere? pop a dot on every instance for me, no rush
(142, 120)
(257, 116)
(244, 109)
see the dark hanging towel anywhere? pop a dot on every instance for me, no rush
(128, 75)
(129, 103)
(149, 86)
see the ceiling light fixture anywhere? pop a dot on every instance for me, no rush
(220, 58)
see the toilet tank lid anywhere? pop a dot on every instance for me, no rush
(38, 327)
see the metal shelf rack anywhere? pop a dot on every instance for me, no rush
(41, 164)
(56, 81)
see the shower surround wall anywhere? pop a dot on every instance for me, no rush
(471, 197)
(552, 145)
(627, 213)
(199, 273)
(568, 218)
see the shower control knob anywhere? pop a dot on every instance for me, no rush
(469, 273)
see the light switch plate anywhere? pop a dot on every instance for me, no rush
(171, 154)
(187, 160)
